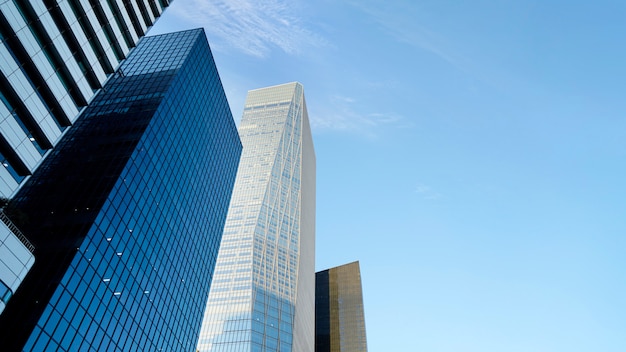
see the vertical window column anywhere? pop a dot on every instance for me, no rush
(47, 46)
(26, 64)
(92, 38)
(138, 25)
(70, 39)
(123, 22)
(108, 31)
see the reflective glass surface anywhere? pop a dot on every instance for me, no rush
(262, 298)
(339, 314)
(55, 55)
(132, 205)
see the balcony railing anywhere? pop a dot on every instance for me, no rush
(5, 219)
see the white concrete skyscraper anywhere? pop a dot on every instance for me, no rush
(262, 296)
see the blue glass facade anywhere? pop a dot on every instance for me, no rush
(54, 58)
(130, 209)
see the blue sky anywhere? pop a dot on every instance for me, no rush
(471, 156)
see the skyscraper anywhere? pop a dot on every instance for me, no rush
(16, 259)
(262, 296)
(54, 57)
(339, 316)
(127, 212)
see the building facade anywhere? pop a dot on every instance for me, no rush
(339, 314)
(17, 259)
(54, 57)
(262, 296)
(127, 212)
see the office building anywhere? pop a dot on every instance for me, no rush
(127, 212)
(339, 316)
(263, 294)
(54, 56)
(16, 259)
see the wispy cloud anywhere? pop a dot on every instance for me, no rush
(426, 192)
(252, 27)
(342, 114)
(403, 26)
(417, 26)
(423, 39)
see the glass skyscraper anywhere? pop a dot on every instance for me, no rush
(339, 315)
(262, 296)
(127, 213)
(55, 55)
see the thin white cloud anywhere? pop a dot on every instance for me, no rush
(425, 40)
(351, 121)
(427, 192)
(342, 114)
(403, 27)
(252, 27)
(408, 23)
(343, 99)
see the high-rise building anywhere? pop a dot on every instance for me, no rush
(263, 293)
(339, 315)
(54, 57)
(127, 212)
(16, 259)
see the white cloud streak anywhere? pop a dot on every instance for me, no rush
(427, 192)
(252, 27)
(342, 115)
(405, 28)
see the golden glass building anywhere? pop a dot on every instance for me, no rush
(339, 315)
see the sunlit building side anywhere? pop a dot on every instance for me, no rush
(339, 314)
(262, 297)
